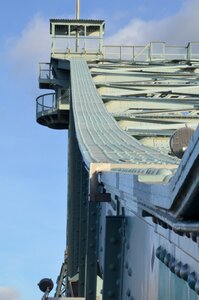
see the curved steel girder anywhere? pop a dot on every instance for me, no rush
(102, 141)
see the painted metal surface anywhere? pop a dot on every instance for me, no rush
(125, 104)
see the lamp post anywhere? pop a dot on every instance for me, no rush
(77, 9)
(77, 18)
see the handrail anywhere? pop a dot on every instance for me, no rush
(50, 101)
(41, 105)
(45, 71)
(142, 51)
(131, 52)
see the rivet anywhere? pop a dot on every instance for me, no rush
(163, 254)
(158, 251)
(167, 259)
(177, 268)
(163, 224)
(184, 271)
(128, 293)
(126, 265)
(154, 220)
(194, 237)
(172, 265)
(192, 280)
(130, 272)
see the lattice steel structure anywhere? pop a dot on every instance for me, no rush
(132, 114)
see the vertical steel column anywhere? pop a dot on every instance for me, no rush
(77, 17)
(74, 165)
(91, 251)
(83, 229)
(113, 259)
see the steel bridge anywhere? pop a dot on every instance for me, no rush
(133, 168)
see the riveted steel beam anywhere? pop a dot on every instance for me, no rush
(91, 251)
(113, 260)
(83, 228)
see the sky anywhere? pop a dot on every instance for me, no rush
(33, 158)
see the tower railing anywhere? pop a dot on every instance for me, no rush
(46, 103)
(67, 45)
(152, 51)
(45, 71)
(49, 103)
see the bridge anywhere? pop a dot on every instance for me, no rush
(133, 168)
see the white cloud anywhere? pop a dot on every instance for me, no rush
(177, 29)
(7, 293)
(32, 46)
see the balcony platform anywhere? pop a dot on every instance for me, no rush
(51, 112)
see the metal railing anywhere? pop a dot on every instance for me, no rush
(45, 71)
(73, 45)
(46, 103)
(50, 103)
(152, 51)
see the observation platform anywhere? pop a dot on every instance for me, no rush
(52, 112)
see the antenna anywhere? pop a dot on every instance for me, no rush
(77, 9)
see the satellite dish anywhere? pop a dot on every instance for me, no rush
(179, 141)
(46, 285)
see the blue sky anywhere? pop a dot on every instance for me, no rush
(33, 172)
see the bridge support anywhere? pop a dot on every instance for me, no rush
(113, 260)
(91, 257)
(83, 228)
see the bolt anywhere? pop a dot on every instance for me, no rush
(159, 251)
(163, 254)
(128, 293)
(192, 280)
(167, 259)
(172, 265)
(177, 269)
(130, 272)
(184, 271)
